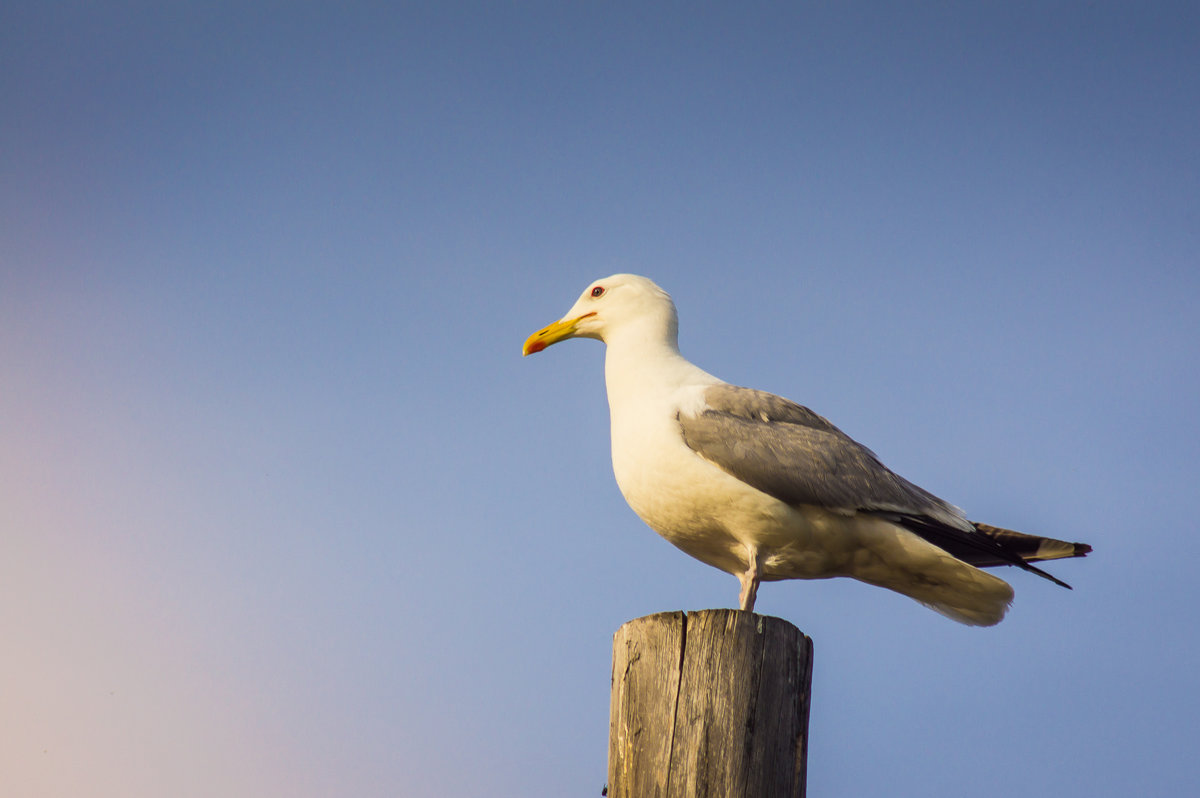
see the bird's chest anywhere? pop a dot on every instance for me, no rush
(655, 476)
(683, 497)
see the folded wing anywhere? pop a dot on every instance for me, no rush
(789, 452)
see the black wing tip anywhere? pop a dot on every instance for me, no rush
(1052, 578)
(1081, 550)
(994, 543)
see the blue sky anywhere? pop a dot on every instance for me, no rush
(285, 513)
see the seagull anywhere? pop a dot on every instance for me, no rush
(766, 489)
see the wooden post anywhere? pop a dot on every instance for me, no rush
(711, 703)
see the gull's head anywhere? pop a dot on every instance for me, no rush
(607, 307)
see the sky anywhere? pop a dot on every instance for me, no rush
(283, 512)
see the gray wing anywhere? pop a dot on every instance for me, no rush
(789, 452)
(795, 455)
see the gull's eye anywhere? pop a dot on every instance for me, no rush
(598, 291)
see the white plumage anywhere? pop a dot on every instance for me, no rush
(765, 489)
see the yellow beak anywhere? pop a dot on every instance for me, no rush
(552, 334)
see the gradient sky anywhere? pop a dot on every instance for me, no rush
(285, 513)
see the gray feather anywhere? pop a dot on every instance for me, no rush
(789, 452)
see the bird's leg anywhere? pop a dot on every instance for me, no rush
(749, 579)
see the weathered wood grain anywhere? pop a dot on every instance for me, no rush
(710, 703)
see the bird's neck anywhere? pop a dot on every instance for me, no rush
(645, 365)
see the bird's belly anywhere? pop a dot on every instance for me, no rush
(717, 519)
